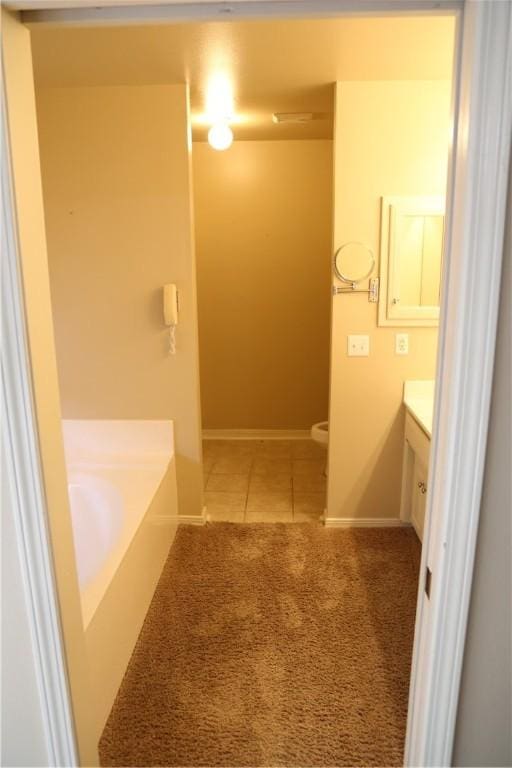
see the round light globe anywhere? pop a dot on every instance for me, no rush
(220, 136)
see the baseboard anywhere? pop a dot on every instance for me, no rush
(192, 519)
(365, 522)
(256, 434)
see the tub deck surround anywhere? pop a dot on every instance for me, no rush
(123, 498)
(269, 480)
(419, 402)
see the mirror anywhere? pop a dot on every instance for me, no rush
(420, 248)
(353, 262)
(411, 260)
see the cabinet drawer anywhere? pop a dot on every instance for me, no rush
(417, 439)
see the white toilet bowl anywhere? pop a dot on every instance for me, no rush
(320, 433)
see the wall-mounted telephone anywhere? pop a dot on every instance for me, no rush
(171, 313)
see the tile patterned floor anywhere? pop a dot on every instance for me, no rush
(250, 481)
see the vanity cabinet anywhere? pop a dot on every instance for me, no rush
(414, 474)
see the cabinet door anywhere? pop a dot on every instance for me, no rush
(419, 496)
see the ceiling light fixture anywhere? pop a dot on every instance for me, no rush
(219, 98)
(220, 136)
(220, 110)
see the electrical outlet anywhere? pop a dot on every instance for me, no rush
(358, 346)
(401, 343)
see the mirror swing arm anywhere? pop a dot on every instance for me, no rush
(372, 290)
(352, 277)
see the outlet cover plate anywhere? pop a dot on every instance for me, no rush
(402, 343)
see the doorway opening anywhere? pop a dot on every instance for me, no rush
(362, 342)
(323, 193)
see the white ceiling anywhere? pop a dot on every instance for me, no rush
(275, 66)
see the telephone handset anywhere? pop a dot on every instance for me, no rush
(171, 313)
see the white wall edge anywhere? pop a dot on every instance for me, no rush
(365, 522)
(19, 440)
(256, 434)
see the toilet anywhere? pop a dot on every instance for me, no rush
(320, 433)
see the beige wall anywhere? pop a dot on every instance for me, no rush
(117, 186)
(263, 233)
(483, 735)
(391, 139)
(22, 126)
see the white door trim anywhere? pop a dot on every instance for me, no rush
(464, 376)
(20, 443)
(466, 354)
(141, 12)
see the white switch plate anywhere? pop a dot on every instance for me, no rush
(401, 343)
(358, 346)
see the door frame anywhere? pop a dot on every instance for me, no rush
(20, 448)
(476, 213)
(476, 209)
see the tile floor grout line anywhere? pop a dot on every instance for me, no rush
(258, 452)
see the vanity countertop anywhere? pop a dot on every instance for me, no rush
(419, 401)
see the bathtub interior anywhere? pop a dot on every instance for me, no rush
(97, 517)
(114, 471)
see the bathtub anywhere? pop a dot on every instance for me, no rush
(123, 502)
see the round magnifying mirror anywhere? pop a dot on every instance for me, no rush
(353, 262)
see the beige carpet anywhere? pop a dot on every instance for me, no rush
(272, 645)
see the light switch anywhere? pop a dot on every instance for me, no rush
(401, 343)
(358, 346)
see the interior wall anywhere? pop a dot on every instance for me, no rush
(263, 233)
(483, 734)
(22, 127)
(117, 192)
(391, 138)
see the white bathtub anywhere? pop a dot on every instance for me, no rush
(122, 492)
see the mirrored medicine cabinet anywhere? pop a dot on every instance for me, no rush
(412, 231)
